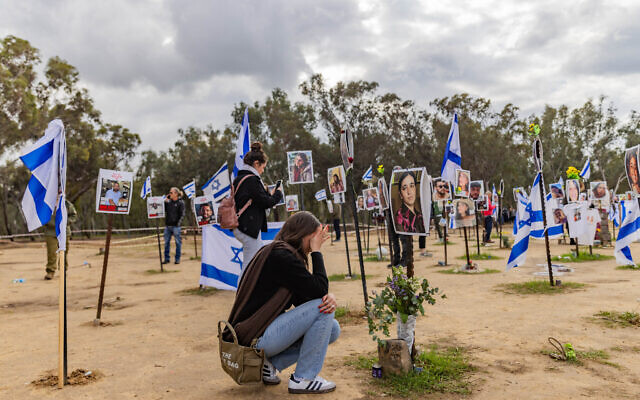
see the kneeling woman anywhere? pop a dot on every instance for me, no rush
(277, 278)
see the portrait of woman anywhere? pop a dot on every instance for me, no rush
(336, 177)
(292, 202)
(559, 217)
(360, 203)
(408, 217)
(300, 167)
(631, 165)
(463, 179)
(598, 190)
(557, 192)
(465, 213)
(573, 190)
(371, 200)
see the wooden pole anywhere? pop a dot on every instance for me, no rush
(445, 239)
(159, 251)
(62, 321)
(466, 245)
(346, 242)
(546, 231)
(368, 229)
(301, 196)
(104, 268)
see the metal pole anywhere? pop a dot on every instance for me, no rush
(301, 196)
(389, 226)
(368, 229)
(546, 232)
(445, 240)
(159, 251)
(104, 268)
(477, 232)
(356, 223)
(466, 245)
(346, 243)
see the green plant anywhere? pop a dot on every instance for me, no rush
(462, 272)
(505, 242)
(613, 318)
(481, 256)
(582, 257)
(539, 287)
(632, 267)
(402, 295)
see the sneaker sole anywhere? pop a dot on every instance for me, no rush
(305, 391)
(271, 383)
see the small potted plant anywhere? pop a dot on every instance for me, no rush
(401, 299)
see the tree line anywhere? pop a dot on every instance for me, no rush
(387, 129)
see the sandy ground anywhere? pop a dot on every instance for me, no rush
(162, 344)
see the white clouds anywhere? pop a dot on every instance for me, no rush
(155, 66)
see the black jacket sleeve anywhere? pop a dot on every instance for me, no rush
(292, 273)
(259, 194)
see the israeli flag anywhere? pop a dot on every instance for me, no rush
(45, 193)
(452, 154)
(242, 145)
(523, 203)
(586, 170)
(628, 233)
(146, 188)
(530, 218)
(452, 221)
(219, 185)
(368, 175)
(222, 262)
(614, 215)
(190, 189)
(321, 195)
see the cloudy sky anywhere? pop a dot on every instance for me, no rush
(155, 66)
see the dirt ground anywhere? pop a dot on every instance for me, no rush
(157, 343)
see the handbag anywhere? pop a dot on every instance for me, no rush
(227, 215)
(243, 364)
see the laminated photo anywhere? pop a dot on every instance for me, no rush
(300, 166)
(463, 180)
(292, 203)
(441, 190)
(410, 195)
(155, 207)
(337, 179)
(476, 189)
(371, 199)
(113, 191)
(206, 210)
(464, 213)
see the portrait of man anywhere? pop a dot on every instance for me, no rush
(300, 166)
(336, 178)
(464, 212)
(113, 191)
(155, 207)
(463, 179)
(557, 192)
(573, 190)
(441, 190)
(476, 188)
(205, 211)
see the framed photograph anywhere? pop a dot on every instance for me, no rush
(371, 199)
(481, 203)
(337, 179)
(631, 167)
(113, 191)
(360, 203)
(441, 190)
(292, 202)
(338, 198)
(573, 190)
(206, 210)
(300, 166)
(155, 207)
(556, 190)
(476, 189)
(464, 212)
(463, 179)
(383, 191)
(559, 217)
(409, 207)
(270, 189)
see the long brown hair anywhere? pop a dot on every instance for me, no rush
(297, 227)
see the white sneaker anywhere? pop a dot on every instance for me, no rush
(306, 386)
(269, 374)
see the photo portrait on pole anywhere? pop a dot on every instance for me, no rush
(476, 189)
(360, 203)
(463, 179)
(557, 191)
(406, 195)
(573, 190)
(371, 199)
(337, 179)
(631, 167)
(113, 191)
(292, 203)
(464, 213)
(383, 192)
(300, 166)
(206, 210)
(598, 191)
(155, 207)
(441, 190)
(338, 198)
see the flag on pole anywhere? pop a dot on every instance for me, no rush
(146, 188)
(628, 233)
(46, 159)
(494, 194)
(368, 175)
(242, 145)
(614, 215)
(219, 185)
(190, 189)
(586, 170)
(530, 218)
(321, 195)
(452, 154)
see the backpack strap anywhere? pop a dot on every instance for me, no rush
(233, 193)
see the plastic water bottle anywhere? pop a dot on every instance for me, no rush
(19, 280)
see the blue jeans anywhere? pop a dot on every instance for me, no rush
(175, 231)
(301, 335)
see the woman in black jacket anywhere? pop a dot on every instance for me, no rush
(277, 278)
(251, 195)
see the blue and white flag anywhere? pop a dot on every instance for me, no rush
(529, 218)
(452, 221)
(494, 194)
(46, 159)
(628, 233)
(146, 188)
(522, 204)
(452, 153)
(242, 145)
(614, 215)
(368, 175)
(190, 189)
(321, 195)
(222, 262)
(561, 181)
(219, 185)
(586, 170)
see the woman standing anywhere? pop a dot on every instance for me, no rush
(251, 195)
